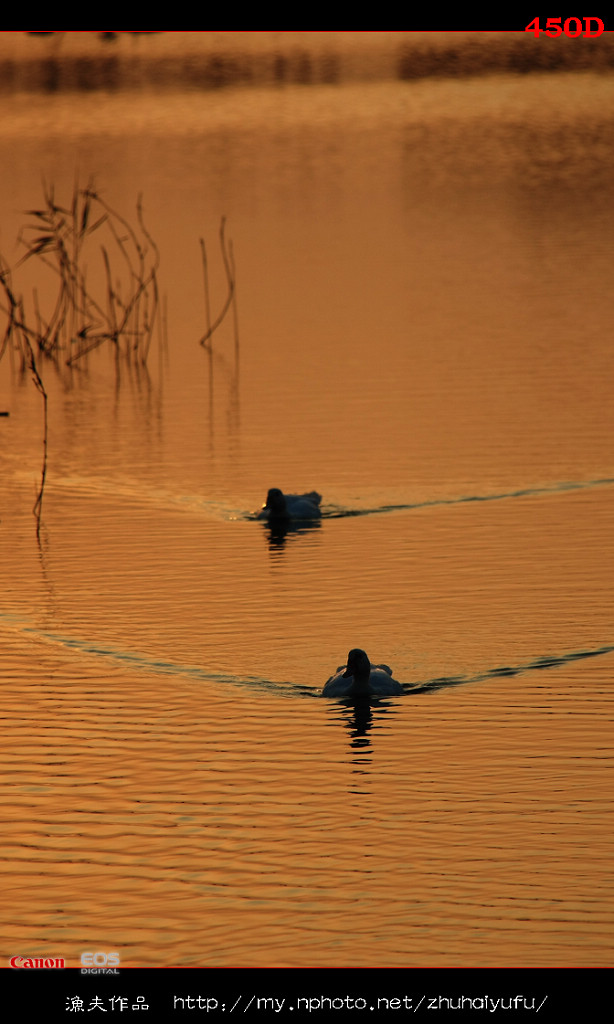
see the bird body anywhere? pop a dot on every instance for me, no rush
(284, 507)
(360, 678)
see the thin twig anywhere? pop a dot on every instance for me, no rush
(38, 505)
(206, 287)
(231, 286)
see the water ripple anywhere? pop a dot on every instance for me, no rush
(504, 671)
(194, 503)
(289, 689)
(525, 492)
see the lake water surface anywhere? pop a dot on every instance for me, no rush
(424, 307)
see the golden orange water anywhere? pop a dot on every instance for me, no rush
(424, 305)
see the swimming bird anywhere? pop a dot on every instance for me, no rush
(283, 507)
(359, 678)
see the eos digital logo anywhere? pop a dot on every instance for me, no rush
(99, 963)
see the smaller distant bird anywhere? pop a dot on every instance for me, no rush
(280, 507)
(359, 678)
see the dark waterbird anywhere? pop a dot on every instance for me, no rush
(359, 678)
(282, 507)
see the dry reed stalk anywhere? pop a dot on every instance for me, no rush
(206, 287)
(38, 504)
(16, 327)
(235, 313)
(229, 271)
(81, 319)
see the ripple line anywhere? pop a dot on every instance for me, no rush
(144, 663)
(524, 492)
(545, 661)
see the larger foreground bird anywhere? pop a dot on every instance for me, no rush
(359, 678)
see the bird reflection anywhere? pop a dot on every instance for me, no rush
(359, 715)
(359, 721)
(278, 530)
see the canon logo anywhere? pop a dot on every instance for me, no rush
(29, 961)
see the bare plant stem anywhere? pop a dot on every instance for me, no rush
(38, 504)
(231, 286)
(206, 287)
(235, 314)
